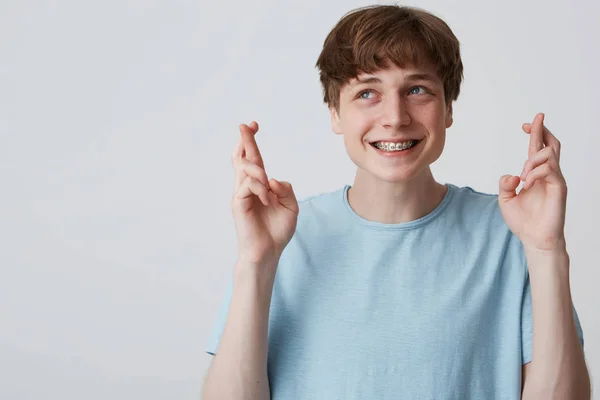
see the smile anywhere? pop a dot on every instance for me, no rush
(395, 147)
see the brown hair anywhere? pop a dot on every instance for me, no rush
(366, 38)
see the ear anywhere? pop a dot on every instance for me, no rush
(449, 119)
(335, 121)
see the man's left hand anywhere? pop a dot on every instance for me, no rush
(536, 214)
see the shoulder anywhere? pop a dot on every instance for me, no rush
(473, 207)
(321, 204)
(322, 214)
(467, 196)
(477, 217)
(323, 199)
(479, 213)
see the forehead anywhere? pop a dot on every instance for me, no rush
(393, 73)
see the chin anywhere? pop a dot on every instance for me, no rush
(402, 172)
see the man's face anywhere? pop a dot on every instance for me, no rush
(391, 105)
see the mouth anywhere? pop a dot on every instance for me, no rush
(395, 147)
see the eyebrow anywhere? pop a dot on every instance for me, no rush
(410, 77)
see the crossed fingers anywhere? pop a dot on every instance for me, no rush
(543, 156)
(250, 176)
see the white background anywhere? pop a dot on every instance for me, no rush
(117, 121)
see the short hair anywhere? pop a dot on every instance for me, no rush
(366, 38)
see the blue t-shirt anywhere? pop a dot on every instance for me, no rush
(436, 308)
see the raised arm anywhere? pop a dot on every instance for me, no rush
(265, 214)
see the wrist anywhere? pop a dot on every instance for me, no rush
(260, 272)
(555, 249)
(547, 260)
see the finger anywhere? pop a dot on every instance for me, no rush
(237, 151)
(507, 187)
(254, 126)
(239, 148)
(245, 167)
(251, 187)
(536, 140)
(546, 155)
(285, 194)
(542, 173)
(549, 138)
(250, 147)
(552, 141)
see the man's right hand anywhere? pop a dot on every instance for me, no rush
(265, 211)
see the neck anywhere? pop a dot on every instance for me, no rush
(395, 202)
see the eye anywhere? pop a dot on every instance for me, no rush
(417, 87)
(361, 94)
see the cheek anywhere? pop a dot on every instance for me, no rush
(434, 121)
(358, 122)
(437, 144)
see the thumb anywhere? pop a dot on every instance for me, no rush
(285, 194)
(508, 185)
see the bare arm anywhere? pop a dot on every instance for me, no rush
(239, 369)
(536, 215)
(557, 369)
(265, 213)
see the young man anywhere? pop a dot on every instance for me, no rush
(398, 286)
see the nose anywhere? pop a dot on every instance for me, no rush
(395, 112)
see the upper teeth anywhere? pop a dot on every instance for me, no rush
(390, 146)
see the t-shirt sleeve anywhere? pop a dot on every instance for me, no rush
(527, 324)
(219, 323)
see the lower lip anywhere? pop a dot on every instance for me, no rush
(393, 154)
